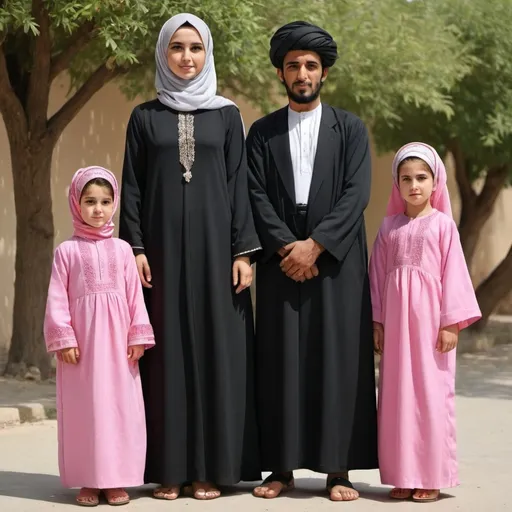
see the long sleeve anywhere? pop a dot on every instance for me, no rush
(58, 331)
(133, 185)
(378, 276)
(338, 229)
(273, 232)
(459, 305)
(244, 239)
(141, 331)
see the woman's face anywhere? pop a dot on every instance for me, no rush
(186, 54)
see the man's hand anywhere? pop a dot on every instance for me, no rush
(283, 252)
(448, 338)
(301, 258)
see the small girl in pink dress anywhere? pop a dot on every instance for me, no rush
(97, 324)
(422, 296)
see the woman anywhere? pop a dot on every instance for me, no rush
(186, 214)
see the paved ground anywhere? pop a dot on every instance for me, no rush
(28, 458)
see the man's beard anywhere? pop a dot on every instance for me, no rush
(303, 98)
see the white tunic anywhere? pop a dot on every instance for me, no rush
(303, 132)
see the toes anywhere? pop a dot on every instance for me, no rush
(272, 490)
(339, 493)
(400, 494)
(271, 493)
(336, 496)
(166, 493)
(350, 496)
(206, 492)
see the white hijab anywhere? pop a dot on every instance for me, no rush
(196, 93)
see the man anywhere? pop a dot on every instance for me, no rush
(310, 183)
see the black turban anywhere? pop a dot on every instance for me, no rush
(300, 35)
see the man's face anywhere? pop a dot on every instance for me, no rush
(302, 75)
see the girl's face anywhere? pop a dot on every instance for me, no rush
(96, 205)
(186, 54)
(416, 182)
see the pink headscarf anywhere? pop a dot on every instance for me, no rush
(440, 198)
(80, 179)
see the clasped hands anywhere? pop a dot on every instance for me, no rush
(299, 259)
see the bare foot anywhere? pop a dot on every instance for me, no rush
(167, 493)
(340, 487)
(205, 491)
(274, 485)
(116, 496)
(426, 495)
(398, 493)
(88, 497)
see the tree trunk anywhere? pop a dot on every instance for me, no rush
(31, 167)
(472, 221)
(476, 209)
(494, 289)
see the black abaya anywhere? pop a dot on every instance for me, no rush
(197, 381)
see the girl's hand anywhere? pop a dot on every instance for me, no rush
(242, 273)
(135, 352)
(69, 355)
(378, 338)
(448, 338)
(144, 270)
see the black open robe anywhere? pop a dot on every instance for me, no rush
(198, 379)
(315, 381)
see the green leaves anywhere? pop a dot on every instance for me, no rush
(393, 53)
(432, 70)
(481, 99)
(16, 14)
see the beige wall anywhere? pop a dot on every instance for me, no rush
(96, 136)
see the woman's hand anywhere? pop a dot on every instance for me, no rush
(69, 355)
(144, 270)
(242, 273)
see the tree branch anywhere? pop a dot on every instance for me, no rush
(10, 105)
(76, 42)
(39, 83)
(70, 109)
(467, 193)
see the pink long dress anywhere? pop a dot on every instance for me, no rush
(420, 284)
(95, 303)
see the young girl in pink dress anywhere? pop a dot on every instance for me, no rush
(422, 297)
(97, 324)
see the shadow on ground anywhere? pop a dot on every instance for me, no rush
(47, 488)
